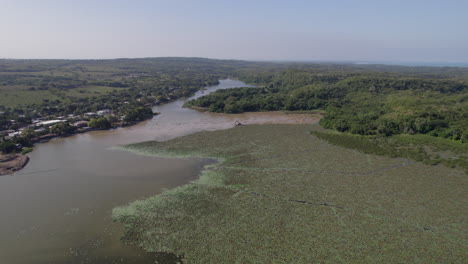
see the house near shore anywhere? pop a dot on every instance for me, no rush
(104, 112)
(40, 130)
(90, 114)
(50, 122)
(80, 124)
(73, 117)
(14, 134)
(6, 132)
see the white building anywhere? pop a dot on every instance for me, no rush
(104, 112)
(50, 122)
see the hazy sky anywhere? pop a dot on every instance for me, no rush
(375, 30)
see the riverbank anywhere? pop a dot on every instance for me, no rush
(167, 106)
(10, 164)
(41, 204)
(282, 195)
(270, 117)
(273, 117)
(44, 138)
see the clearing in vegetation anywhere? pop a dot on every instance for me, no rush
(281, 195)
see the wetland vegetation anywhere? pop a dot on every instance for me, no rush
(379, 179)
(280, 194)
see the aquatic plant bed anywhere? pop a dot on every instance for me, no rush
(281, 195)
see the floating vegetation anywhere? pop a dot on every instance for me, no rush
(279, 194)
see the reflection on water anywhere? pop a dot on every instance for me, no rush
(57, 209)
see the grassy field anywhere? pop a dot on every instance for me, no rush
(89, 91)
(281, 195)
(12, 96)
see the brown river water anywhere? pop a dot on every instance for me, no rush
(58, 208)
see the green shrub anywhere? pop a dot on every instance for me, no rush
(26, 150)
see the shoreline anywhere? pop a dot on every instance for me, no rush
(9, 164)
(274, 117)
(12, 169)
(246, 118)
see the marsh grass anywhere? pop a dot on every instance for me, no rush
(281, 195)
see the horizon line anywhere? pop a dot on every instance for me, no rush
(356, 62)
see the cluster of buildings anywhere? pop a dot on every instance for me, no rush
(42, 125)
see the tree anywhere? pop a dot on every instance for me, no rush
(139, 113)
(62, 128)
(100, 122)
(7, 147)
(28, 133)
(232, 108)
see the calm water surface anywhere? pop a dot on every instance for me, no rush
(57, 209)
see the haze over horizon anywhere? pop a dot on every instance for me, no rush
(299, 30)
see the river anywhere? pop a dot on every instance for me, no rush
(58, 208)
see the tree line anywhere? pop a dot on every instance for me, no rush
(365, 103)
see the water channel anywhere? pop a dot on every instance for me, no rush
(58, 208)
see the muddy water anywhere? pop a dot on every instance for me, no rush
(57, 209)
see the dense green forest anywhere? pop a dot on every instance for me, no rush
(396, 100)
(420, 113)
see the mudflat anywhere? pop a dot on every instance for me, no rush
(9, 164)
